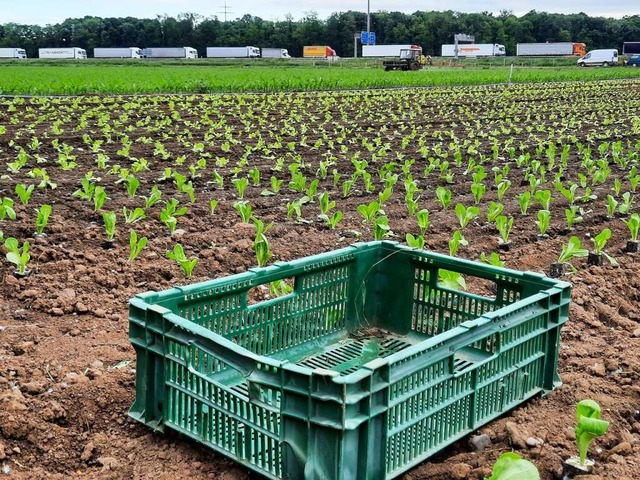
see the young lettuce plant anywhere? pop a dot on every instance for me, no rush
(444, 197)
(511, 466)
(19, 257)
(24, 192)
(544, 219)
(423, 221)
(186, 264)
(381, 228)
(6, 209)
(590, 425)
(99, 198)
(572, 249)
(136, 245)
(457, 239)
(493, 259)
(370, 211)
(466, 214)
(598, 255)
(493, 210)
(525, 202)
(573, 215)
(504, 225)
(132, 216)
(109, 219)
(415, 242)
(634, 228)
(43, 218)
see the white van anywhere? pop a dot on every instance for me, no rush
(604, 57)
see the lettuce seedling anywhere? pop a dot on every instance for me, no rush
(589, 426)
(466, 214)
(136, 245)
(572, 249)
(415, 242)
(187, 265)
(511, 466)
(43, 218)
(109, 219)
(634, 226)
(24, 192)
(599, 242)
(544, 219)
(16, 256)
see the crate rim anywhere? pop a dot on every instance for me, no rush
(142, 300)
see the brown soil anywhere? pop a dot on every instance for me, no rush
(67, 375)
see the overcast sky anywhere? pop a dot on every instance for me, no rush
(44, 12)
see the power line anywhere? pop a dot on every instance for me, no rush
(225, 10)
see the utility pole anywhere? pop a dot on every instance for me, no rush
(368, 22)
(225, 10)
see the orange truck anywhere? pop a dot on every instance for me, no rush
(315, 51)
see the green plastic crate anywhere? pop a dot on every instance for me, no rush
(365, 370)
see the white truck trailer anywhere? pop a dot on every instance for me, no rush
(474, 50)
(13, 53)
(170, 52)
(550, 49)
(383, 50)
(275, 53)
(116, 52)
(62, 52)
(233, 52)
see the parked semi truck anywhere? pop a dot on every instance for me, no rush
(13, 53)
(474, 50)
(551, 49)
(316, 51)
(629, 48)
(116, 52)
(233, 52)
(383, 50)
(275, 53)
(170, 52)
(62, 52)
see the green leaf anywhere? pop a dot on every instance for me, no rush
(510, 466)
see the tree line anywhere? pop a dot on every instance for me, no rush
(428, 29)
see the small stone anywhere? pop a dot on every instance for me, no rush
(81, 269)
(178, 233)
(73, 377)
(11, 280)
(58, 312)
(533, 442)
(87, 452)
(623, 449)
(3, 453)
(97, 364)
(93, 373)
(20, 314)
(67, 294)
(108, 463)
(74, 332)
(22, 348)
(31, 293)
(100, 313)
(461, 470)
(636, 333)
(16, 450)
(35, 387)
(480, 442)
(611, 365)
(516, 436)
(598, 370)
(81, 308)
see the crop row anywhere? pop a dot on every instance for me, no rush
(75, 79)
(554, 161)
